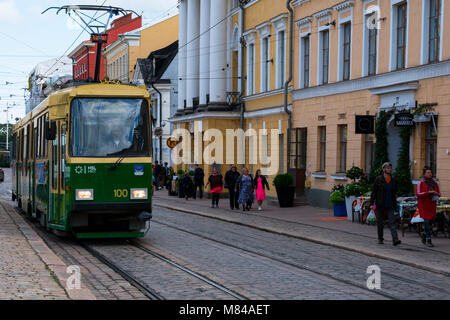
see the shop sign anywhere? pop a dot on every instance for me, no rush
(404, 120)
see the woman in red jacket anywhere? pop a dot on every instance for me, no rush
(427, 197)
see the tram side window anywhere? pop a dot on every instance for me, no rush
(43, 138)
(38, 139)
(13, 151)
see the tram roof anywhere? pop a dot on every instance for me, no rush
(63, 96)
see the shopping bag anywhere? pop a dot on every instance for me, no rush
(371, 218)
(416, 217)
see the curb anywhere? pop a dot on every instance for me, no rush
(53, 263)
(321, 242)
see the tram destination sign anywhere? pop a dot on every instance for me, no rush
(404, 120)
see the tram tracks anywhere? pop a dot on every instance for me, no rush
(298, 265)
(144, 286)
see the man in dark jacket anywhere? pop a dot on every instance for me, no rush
(199, 176)
(230, 182)
(384, 195)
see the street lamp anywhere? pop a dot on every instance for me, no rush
(8, 106)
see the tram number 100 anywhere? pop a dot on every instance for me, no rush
(120, 193)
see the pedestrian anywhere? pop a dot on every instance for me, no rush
(166, 172)
(428, 194)
(199, 176)
(187, 185)
(231, 177)
(384, 195)
(157, 173)
(216, 182)
(260, 183)
(246, 187)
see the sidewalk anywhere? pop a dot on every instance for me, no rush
(29, 270)
(318, 225)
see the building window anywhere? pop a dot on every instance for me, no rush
(281, 59)
(298, 148)
(324, 56)
(322, 147)
(265, 64)
(251, 69)
(305, 53)
(346, 51)
(401, 36)
(372, 56)
(342, 129)
(434, 31)
(369, 151)
(431, 147)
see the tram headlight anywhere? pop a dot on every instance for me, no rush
(138, 194)
(84, 194)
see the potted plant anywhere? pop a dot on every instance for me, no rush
(285, 189)
(338, 201)
(351, 191)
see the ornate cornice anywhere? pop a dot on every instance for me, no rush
(322, 14)
(250, 35)
(263, 29)
(280, 21)
(303, 21)
(344, 5)
(299, 3)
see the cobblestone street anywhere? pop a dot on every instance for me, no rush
(194, 252)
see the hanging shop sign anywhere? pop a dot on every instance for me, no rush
(404, 120)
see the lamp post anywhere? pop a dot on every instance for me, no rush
(8, 106)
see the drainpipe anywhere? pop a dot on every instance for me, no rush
(286, 84)
(242, 3)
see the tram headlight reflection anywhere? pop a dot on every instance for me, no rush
(138, 193)
(84, 194)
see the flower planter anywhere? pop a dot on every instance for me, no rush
(285, 196)
(340, 210)
(348, 205)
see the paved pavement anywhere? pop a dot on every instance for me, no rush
(314, 224)
(28, 268)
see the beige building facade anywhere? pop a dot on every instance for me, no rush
(360, 58)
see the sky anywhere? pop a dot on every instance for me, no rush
(28, 37)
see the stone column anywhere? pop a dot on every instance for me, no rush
(192, 62)
(205, 7)
(182, 55)
(218, 55)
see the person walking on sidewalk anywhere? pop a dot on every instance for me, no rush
(216, 182)
(384, 195)
(199, 177)
(231, 177)
(427, 197)
(187, 185)
(246, 187)
(260, 183)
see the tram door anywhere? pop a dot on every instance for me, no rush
(57, 197)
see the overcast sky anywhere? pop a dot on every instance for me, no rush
(27, 37)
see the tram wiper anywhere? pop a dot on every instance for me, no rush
(124, 152)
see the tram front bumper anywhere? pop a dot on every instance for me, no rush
(111, 207)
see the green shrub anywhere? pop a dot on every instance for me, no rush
(336, 197)
(353, 189)
(355, 173)
(180, 172)
(191, 173)
(283, 180)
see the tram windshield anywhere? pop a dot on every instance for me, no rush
(109, 127)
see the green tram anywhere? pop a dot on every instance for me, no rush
(82, 161)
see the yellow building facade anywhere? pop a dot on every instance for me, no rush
(239, 50)
(360, 58)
